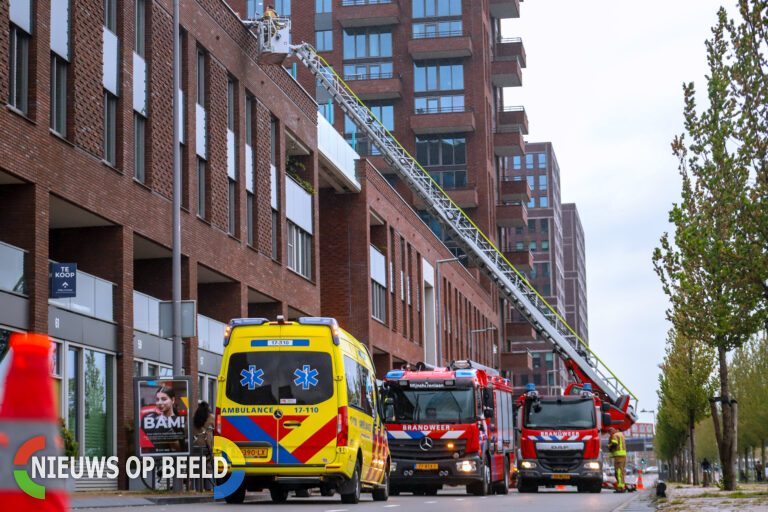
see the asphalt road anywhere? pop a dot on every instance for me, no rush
(448, 500)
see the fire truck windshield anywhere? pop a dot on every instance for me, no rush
(549, 413)
(445, 405)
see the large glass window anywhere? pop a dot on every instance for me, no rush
(140, 32)
(529, 161)
(450, 179)
(384, 112)
(360, 393)
(378, 302)
(98, 404)
(543, 202)
(542, 160)
(323, 6)
(323, 40)
(73, 392)
(367, 42)
(544, 226)
(110, 15)
(368, 71)
(18, 96)
(436, 104)
(12, 276)
(434, 8)
(543, 182)
(516, 162)
(448, 405)
(441, 150)
(438, 75)
(58, 95)
(452, 28)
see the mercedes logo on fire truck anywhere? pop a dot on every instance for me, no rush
(426, 443)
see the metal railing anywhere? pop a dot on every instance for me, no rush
(347, 3)
(443, 110)
(368, 76)
(440, 33)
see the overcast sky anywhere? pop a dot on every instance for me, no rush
(603, 83)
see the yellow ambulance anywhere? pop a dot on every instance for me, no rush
(300, 401)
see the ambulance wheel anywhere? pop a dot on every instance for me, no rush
(381, 493)
(326, 491)
(278, 494)
(238, 496)
(353, 487)
(303, 493)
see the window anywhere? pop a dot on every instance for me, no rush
(299, 250)
(367, 42)
(532, 203)
(201, 78)
(450, 179)
(532, 245)
(250, 103)
(545, 269)
(550, 379)
(548, 360)
(110, 127)
(518, 230)
(110, 15)
(378, 302)
(231, 104)
(542, 160)
(440, 75)
(531, 226)
(326, 110)
(360, 393)
(437, 29)
(58, 95)
(545, 245)
(529, 161)
(537, 379)
(249, 216)
(201, 188)
(531, 182)
(140, 27)
(519, 246)
(324, 40)
(323, 6)
(544, 226)
(433, 104)
(19, 69)
(434, 8)
(516, 162)
(283, 7)
(441, 150)
(543, 182)
(536, 357)
(368, 71)
(543, 201)
(139, 128)
(534, 270)
(384, 112)
(232, 189)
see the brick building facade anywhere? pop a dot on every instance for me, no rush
(86, 178)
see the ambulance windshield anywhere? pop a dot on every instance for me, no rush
(279, 378)
(430, 406)
(560, 414)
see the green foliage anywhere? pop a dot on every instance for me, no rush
(749, 381)
(70, 444)
(706, 444)
(294, 168)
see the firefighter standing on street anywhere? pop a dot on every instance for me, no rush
(618, 450)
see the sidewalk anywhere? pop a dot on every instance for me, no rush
(86, 500)
(684, 498)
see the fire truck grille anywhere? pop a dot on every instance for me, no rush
(411, 449)
(560, 461)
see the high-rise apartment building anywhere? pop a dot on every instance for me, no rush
(555, 237)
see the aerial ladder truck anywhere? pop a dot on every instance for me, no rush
(583, 365)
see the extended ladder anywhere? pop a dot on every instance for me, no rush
(550, 326)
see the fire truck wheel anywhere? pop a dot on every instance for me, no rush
(394, 491)
(482, 488)
(430, 491)
(503, 486)
(523, 486)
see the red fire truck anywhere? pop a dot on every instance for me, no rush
(449, 426)
(560, 437)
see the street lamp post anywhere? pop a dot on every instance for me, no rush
(437, 307)
(472, 343)
(652, 411)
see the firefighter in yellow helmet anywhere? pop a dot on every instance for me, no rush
(618, 451)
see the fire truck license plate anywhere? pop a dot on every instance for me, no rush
(425, 466)
(257, 453)
(561, 477)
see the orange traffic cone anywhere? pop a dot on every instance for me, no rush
(28, 428)
(640, 479)
(560, 487)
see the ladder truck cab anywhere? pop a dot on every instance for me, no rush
(449, 426)
(560, 437)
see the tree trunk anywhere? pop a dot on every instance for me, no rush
(692, 433)
(727, 446)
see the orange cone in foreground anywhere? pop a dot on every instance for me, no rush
(28, 428)
(560, 487)
(640, 480)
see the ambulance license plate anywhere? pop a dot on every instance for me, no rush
(256, 453)
(561, 477)
(425, 466)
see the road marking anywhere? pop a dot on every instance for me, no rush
(390, 506)
(430, 502)
(459, 499)
(337, 510)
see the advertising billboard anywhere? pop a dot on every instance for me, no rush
(162, 416)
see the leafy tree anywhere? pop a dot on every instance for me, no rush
(669, 439)
(707, 270)
(688, 367)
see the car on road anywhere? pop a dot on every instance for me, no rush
(652, 469)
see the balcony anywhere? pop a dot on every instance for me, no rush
(511, 215)
(443, 120)
(508, 143)
(519, 331)
(463, 197)
(337, 156)
(380, 86)
(506, 73)
(521, 260)
(519, 360)
(368, 13)
(512, 119)
(516, 191)
(440, 45)
(505, 8)
(509, 49)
